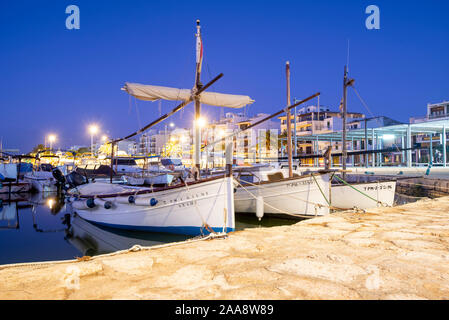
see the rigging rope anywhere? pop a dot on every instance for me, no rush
(344, 182)
(372, 115)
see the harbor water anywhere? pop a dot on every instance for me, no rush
(39, 227)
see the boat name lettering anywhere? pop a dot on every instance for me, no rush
(299, 183)
(387, 187)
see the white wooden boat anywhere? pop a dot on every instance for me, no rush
(362, 193)
(9, 182)
(41, 181)
(192, 209)
(301, 195)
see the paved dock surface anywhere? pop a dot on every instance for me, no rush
(386, 253)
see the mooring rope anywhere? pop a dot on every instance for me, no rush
(346, 183)
(307, 201)
(267, 204)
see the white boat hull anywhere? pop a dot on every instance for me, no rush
(380, 193)
(193, 210)
(299, 196)
(41, 181)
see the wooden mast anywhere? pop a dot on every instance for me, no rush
(289, 123)
(198, 85)
(346, 82)
(344, 151)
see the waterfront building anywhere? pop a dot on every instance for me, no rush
(433, 146)
(313, 120)
(126, 148)
(258, 144)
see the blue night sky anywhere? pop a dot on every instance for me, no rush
(59, 80)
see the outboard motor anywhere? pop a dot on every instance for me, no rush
(58, 175)
(74, 179)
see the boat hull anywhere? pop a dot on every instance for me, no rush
(192, 210)
(41, 182)
(297, 196)
(345, 197)
(15, 187)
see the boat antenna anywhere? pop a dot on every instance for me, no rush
(347, 57)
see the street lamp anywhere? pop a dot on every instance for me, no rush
(93, 129)
(201, 122)
(51, 139)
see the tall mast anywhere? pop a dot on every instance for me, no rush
(289, 123)
(344, 151)
(198, 85)
(346, 83)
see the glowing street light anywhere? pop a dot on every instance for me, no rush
(93, 129)
(201, 122)
(51, 139)
(104, 138)
(172, 124)
(388, 136)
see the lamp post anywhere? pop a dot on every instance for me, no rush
(93, 129)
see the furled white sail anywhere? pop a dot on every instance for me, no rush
(153, 93)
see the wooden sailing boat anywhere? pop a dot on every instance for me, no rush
(349, 191)
(202, 206)
(352, 191)
(301, 195)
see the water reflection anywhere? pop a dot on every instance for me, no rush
(91, 239)
(40, 227)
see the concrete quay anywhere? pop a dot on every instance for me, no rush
(385, 253)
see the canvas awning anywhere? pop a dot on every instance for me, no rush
(153, 93)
